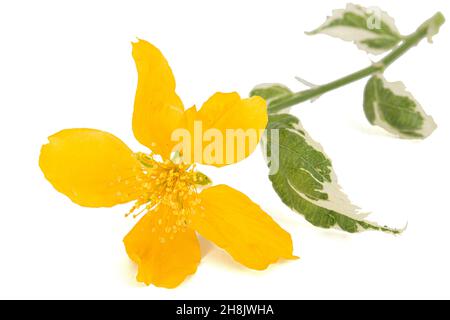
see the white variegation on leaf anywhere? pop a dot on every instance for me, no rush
(305, 180)
(433, 25)
(270, 91)
(371, 29)
(390, 106)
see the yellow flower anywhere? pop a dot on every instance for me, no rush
(96, 169)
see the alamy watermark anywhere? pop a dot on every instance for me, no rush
(217, 147)
(374, 18)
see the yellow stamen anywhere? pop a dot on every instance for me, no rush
(170, 184)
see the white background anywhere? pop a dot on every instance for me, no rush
(67, 64)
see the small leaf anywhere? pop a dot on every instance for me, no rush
(304, 178)
(433, 25)
(371, 29)
(390, 106)
(270, 91)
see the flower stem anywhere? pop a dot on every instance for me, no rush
(427, 29)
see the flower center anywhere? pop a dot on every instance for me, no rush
(169, 184)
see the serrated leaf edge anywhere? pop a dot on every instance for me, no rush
(349, 35)
(400, 89)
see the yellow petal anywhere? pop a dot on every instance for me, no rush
(164, 258)
(157, 108)
(229, 128)
(93, 168)
(238, 225)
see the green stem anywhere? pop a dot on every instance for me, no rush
(410, 41)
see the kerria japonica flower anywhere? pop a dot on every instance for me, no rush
(173, 200)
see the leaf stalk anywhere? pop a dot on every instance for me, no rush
(426, 30)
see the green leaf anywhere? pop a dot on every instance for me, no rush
(303, 177)
(390, 106)
(270, 91)
(371, 29)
